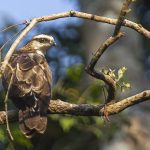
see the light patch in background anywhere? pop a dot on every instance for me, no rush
(28, 9)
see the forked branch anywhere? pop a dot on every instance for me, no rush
(61, 107)
(111, 90)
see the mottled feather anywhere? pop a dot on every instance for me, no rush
(30, 90)
(31, 86)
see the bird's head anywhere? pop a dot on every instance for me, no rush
(39, 43)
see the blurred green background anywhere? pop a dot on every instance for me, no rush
(76, 40)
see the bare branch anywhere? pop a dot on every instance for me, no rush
(124, 11)
(100, 75)
(126, 23)
(61, 107)
(82, 15)
(111, 90)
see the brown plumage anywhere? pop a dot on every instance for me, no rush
(31, 85)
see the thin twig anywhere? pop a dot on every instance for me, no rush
(121, 18)
(10, 27)
(14, 45)
(6, 108)
(10, 39)
(103, 88)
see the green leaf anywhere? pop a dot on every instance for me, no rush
(20, 138)
(2, 134)
(127, 85)
(122, 89)
(109, 72)
(121, 72)
(112, 74)
(67, 123)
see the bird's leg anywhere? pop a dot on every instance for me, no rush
(105, 113)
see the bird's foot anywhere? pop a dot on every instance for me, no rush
(105, 114)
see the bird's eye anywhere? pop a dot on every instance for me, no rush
(42, 40)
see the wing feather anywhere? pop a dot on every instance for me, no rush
(32, 74)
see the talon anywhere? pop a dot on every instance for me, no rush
(105, 114)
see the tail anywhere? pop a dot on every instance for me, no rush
(32, 122)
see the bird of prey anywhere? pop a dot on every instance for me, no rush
(30, 89)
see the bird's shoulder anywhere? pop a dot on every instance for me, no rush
(31, 73)
(26, 60)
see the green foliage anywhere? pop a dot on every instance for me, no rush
(73, 90)
(2, 135)
(74, 73)
(20, 139)
(121, 72)
(120, 78)
(67, 123)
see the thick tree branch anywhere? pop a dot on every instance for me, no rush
(61, 107)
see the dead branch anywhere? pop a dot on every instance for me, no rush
(33, 22)
(111, 90)
(100, 75)
(61, 107)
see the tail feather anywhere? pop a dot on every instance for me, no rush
(31, 122)
(26, 131)
(41, 126)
